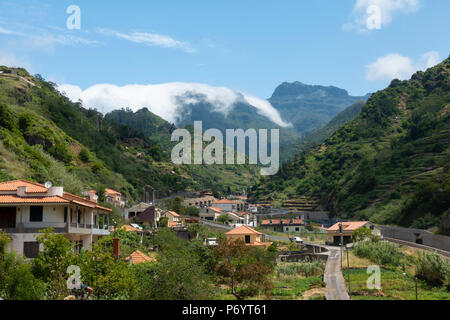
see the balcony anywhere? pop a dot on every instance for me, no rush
(35, 227)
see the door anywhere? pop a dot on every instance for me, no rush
(247, 239)
(7, 217)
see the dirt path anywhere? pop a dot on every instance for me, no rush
(333, 276)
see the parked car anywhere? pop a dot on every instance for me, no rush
(297, 240)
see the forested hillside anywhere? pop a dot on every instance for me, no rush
(350, 113)
(391, 164)
(44, 136)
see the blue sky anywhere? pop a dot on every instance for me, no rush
(249, 46)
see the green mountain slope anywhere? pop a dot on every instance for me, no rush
(44, 136)
(390, 164)
(320, 135)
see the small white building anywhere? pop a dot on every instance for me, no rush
(27, 207)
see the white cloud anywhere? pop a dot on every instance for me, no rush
(10, 60)
(364, 11)
(396, 66)
(151, 39)
(44, 38)
(165, 99)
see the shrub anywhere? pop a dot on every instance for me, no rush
(381, 252)
(306, 269)
(432, 268)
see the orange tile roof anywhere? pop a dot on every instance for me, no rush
(83, 201)
(129, 228)
(12, 199)
(348, 226)
(139, 257)
(243, 230)
(111, 191)
(224, 201)
(32, 187)
(216, 209)
(173, 213)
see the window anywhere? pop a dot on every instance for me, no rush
(7, 217)
(31, 249)
(65, 213)
(79, 216)
(297, 229)
(36, 213)
(247, 239)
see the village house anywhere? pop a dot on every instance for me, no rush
(210, 213)
(283, 225)
(205, 201)
(135, 210)
(334, 233)
(27, 207)
(174, 219)
(150, 216)
(230, 205)
(249, 236)
(115, 198)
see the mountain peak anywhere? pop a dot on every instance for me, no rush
(299, 90)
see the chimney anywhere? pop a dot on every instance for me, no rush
(116, 248)
(93, 196)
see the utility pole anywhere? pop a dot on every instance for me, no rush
(348, 271)
(417, 296)
(342, 241)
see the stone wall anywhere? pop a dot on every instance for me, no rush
(417, 236)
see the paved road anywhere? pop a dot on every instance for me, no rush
(333, 276)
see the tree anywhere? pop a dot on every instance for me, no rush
(178, 273)
(52, 263)
(224, 218)
(110, 278)
(16, 279)
(361, 234)
(241, 268)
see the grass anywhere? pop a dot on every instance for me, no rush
(319, 238)
(288, 286)
(394, 286)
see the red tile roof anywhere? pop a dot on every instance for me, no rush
(139, 257)
(173, 213)
(243, 230)
(12, 199)
(32, 187)
(348, 226)
(216, 209)
(111, 191)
